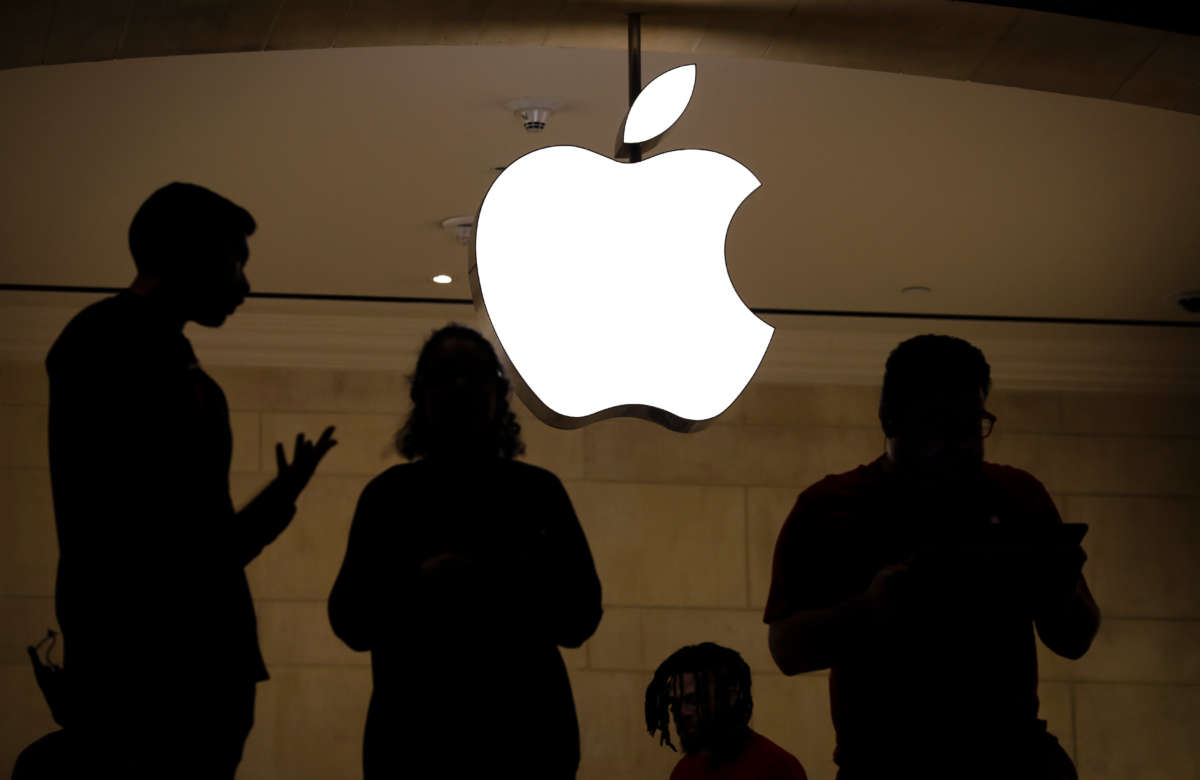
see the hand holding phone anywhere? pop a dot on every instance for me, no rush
(1058, 565)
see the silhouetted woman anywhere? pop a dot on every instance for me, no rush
(464, 573)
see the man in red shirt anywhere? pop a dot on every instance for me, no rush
(918, 580)
(707, 688)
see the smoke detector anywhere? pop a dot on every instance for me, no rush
(533, 112)
(462, 227)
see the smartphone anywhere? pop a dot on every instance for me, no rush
(1004, 548)
(1070, 533)
(1062, 534)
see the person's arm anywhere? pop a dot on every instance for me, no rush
(561, 585)
(352, 600)
(1069, 622)
(1065, 614)
(814, 618)
(811, 639)
(261, 521)
(266, 515)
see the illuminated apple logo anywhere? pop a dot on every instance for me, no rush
(605, 282)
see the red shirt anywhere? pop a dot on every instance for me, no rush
(963, 675)
(761, 760)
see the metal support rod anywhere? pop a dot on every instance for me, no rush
(61, 288)
(635, 74)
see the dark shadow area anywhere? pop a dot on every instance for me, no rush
(919, 580)
(1158, 14)
(464, 573)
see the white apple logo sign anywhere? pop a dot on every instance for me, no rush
(605, 282)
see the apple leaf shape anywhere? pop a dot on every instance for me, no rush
(660, 104)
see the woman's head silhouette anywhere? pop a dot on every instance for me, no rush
(460, 401)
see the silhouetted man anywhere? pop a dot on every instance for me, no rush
(707, 688)
(161, 650)
(918, 580)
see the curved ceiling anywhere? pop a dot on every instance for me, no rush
(1004, 201)
(971, 41)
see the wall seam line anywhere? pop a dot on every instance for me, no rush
(746, 539)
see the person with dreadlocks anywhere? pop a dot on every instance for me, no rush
(919, 579)
(707, 688)
(465, 571)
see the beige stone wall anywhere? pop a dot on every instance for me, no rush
(682, 529)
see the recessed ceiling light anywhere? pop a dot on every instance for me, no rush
(442, 279)
(916, 289)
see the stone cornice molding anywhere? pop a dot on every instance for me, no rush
(804, 350)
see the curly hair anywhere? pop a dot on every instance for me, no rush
(413, 440)
(929, 362)
(713, 665)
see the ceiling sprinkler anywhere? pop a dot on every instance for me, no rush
(533, 112)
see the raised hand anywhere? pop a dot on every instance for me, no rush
(294, 476)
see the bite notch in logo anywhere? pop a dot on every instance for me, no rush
(605, 282)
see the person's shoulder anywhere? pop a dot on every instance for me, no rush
(528, 472)
(838, 488)
(1013, 480)
(783, 764)
(1020, 490)
(848, 483)
(397, 477)
(526, 469)
(686, 768)
(399, 473)
(106, 314)
(87, 334)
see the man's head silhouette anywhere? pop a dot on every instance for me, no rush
(189, 246)
(931, 408)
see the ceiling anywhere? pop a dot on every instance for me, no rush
(1010, 43)
(1003, 201)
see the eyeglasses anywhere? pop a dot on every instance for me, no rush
(987, 421)
(934, 427)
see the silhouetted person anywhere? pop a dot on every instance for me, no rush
(918, 580)
(464, 572)
(707, 688)
(161, 649)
